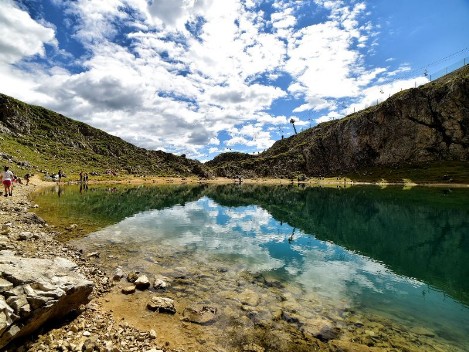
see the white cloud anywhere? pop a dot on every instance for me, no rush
(324, 62)
(377, 94)
(20, 35)
(176, 13)
(332, 115)
(173, 75)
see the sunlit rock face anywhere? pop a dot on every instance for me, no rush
(425, 124)
(35, 291)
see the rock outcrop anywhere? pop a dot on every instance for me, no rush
(35, 291)
(420, 125)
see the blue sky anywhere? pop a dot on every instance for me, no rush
(201, 77)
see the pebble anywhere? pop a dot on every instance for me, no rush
(127, 290)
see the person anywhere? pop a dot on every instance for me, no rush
(60, 174)
(7, 180)
(26, 177)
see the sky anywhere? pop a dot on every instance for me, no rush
(203, 77)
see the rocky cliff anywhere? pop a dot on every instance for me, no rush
(421, 125)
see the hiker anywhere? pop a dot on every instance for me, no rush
(26, 177)
(7, 180)
(60, 175)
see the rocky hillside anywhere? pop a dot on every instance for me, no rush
(420, 127)
(35, 138)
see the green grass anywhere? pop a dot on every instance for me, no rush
(447, 172)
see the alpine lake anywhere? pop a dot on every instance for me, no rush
(285, 267)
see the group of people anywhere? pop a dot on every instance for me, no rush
(83, 177)
(8, 178)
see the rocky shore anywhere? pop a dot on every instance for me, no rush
(87, 327)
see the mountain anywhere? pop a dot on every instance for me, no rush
(35, 138)
(417, 134)
(425, 128)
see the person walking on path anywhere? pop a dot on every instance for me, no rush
(60, 175)
(7, 180)
(26, 177)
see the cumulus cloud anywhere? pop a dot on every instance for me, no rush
(176, 13)
(323, 59)
(189, 75)
(20, 35)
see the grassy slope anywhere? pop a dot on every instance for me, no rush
(48, 141)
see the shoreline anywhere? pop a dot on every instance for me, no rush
(91, 325)
(267, 181)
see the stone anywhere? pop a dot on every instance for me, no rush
(132, 277)
(153, 334)
(200, 314)
(118, 274)
(347, 346)
(31, 218)
(321, 329)
(43, 290)
(161, 305)
(127, 290)
(5, 285)
(24, 236)
(161, 283)
(93, 255)
(142, 283)
(249, 298)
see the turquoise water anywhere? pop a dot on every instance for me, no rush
(399, 255)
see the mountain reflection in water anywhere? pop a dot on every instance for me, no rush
(422, 233)
(398, 251)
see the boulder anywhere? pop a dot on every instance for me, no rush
(142, 283)
(118, 274)
(161, 283)
(36, 291)
(161, 305)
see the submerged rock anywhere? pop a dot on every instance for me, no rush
(35, 291)
(200, 314)
(321, 329)
(161, 283)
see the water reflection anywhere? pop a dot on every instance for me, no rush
(393, 252)
(421, 233)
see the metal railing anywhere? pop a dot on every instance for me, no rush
(448, 69)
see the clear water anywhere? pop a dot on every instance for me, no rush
(398, 256)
